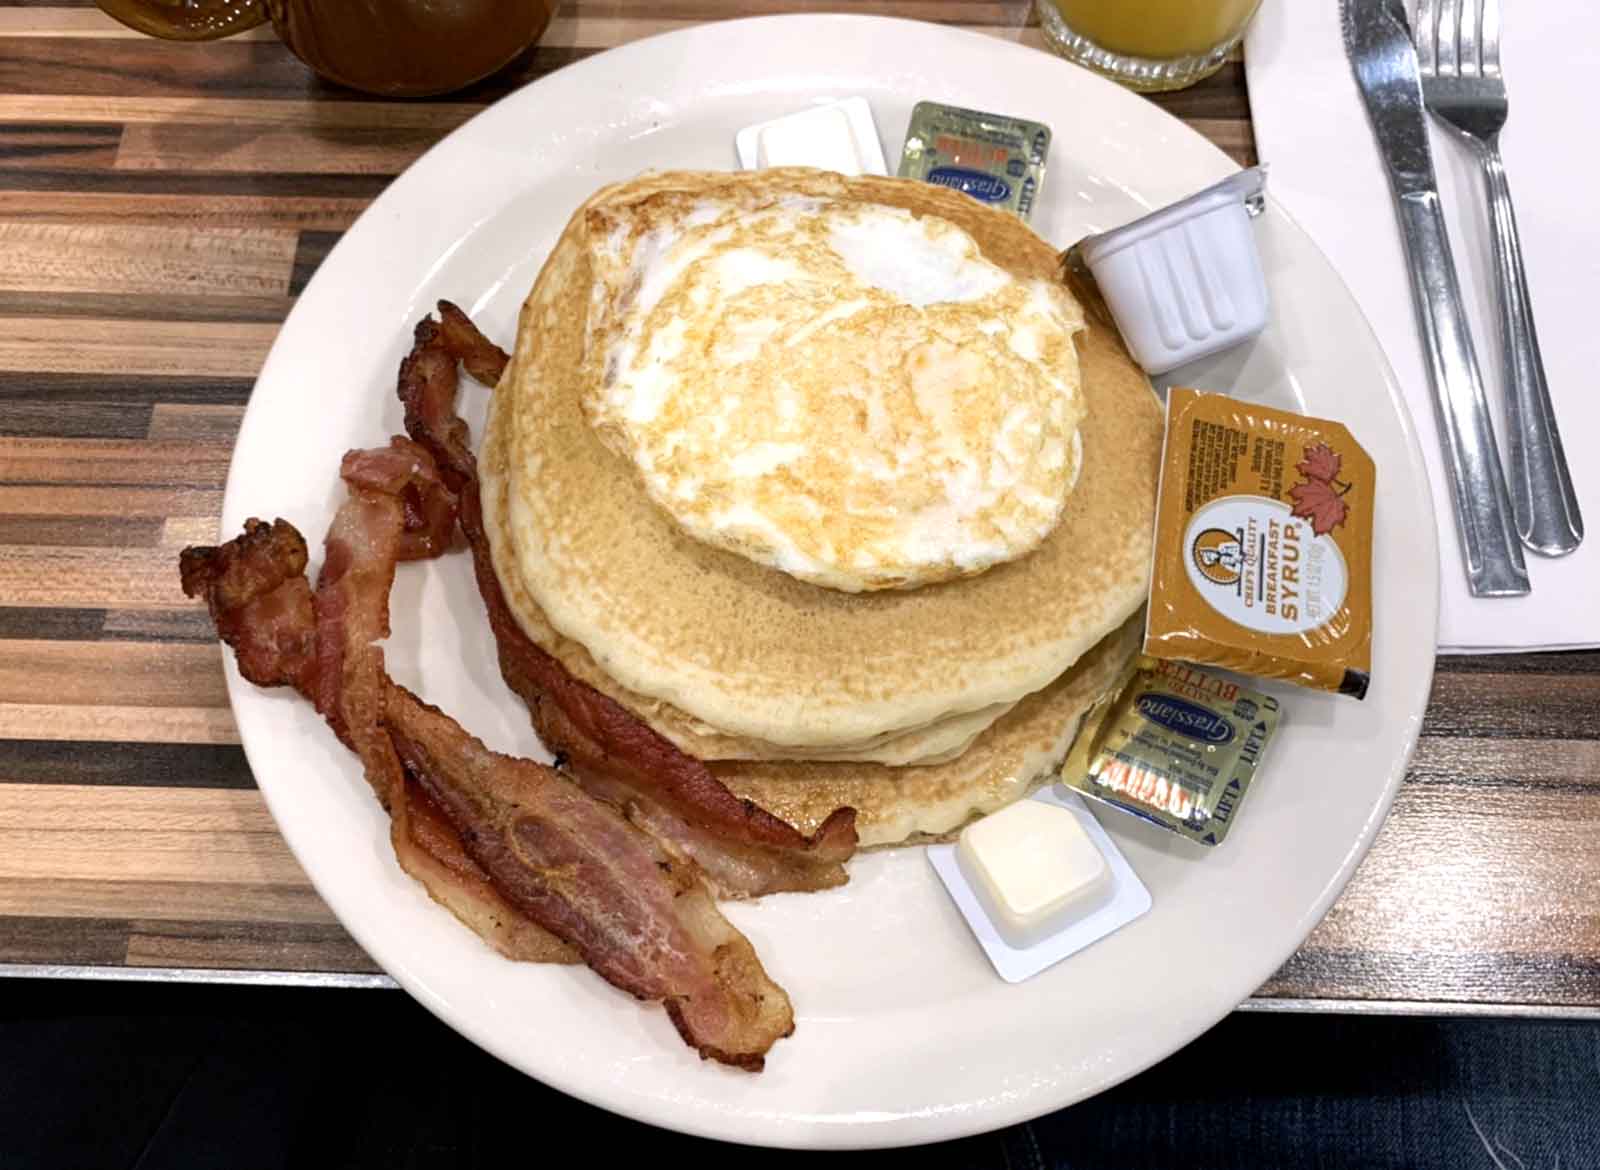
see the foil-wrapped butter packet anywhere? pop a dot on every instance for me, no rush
(1176, 746)
(998, 160)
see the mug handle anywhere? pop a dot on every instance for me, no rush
(187, 20)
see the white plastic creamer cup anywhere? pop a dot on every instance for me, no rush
(1185, 281)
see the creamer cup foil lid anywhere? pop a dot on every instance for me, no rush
(1263, 551)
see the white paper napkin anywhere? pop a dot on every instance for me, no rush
(1312, 129)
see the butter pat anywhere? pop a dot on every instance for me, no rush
(816, 138)
(839, 136)
(1032, 865)
(1039, 881)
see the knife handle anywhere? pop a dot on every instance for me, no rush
(1489, 541)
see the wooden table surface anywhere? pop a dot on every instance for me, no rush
(161, 206)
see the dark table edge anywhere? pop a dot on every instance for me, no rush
(353, 979)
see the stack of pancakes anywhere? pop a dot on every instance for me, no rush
(827, 481)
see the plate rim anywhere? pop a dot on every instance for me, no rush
(816, 1133)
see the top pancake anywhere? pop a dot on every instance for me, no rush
(753, 651)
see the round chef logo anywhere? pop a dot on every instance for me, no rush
(1218, 556)
(1186, 718)
(1263, 568)
(978, 184)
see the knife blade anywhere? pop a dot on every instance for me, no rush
(1377, 40)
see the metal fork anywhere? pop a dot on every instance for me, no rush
(1458, 55)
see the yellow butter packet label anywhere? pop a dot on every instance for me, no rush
(1177, 746)
(1263, 552)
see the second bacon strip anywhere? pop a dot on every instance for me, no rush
(743, 849)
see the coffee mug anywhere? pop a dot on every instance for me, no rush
(396, 48)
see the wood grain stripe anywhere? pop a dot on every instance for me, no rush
(122, 259)
(140, 897)
(1559, 662)
(1514, 763)
(109, 763)
(191, 349)
(53, 109)
(74, 420)
(50, 625)
(164, 625)
(112, 674)
(99, 941)
(133, 578)
(248, 946)
(84, 723)
(173, 421)
(1515, 878)
(82, 531)
(1403, 975)
(219, 69)
(215, 836)
(288, 212)
(33, 180)
(181, 532)
(1495, 705)
(72, 148)
(19, 388)
(173, 465)
(152, 502)
(267, 310)
(178, 146)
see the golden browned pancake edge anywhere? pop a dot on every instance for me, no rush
(896, 806)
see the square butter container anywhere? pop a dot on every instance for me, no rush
(1185, 281)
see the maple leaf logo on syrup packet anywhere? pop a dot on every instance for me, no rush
(1321, 462)
(1319, 498)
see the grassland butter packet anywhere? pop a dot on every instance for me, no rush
(1263, 559)
(1176, 746)
(998, 160)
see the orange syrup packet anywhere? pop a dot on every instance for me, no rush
(1263, 551)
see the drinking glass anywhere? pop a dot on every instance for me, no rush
(1147, 44)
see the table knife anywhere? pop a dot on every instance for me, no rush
(1377, 40)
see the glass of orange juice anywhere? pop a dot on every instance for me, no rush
(1146, 44)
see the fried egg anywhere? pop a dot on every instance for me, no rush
(844, 391)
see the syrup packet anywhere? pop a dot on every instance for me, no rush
(1177, 746)
(996, 159)
(1263, 551)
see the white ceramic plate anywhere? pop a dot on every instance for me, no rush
(904, 1032)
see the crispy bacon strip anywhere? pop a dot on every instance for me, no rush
(518, 846)
(260, 601)
(352, 607)
(256, 589)
(429, 848)
(406, 471)
(484, 360)
(643, 921)
(428, 383)
(745, 850)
